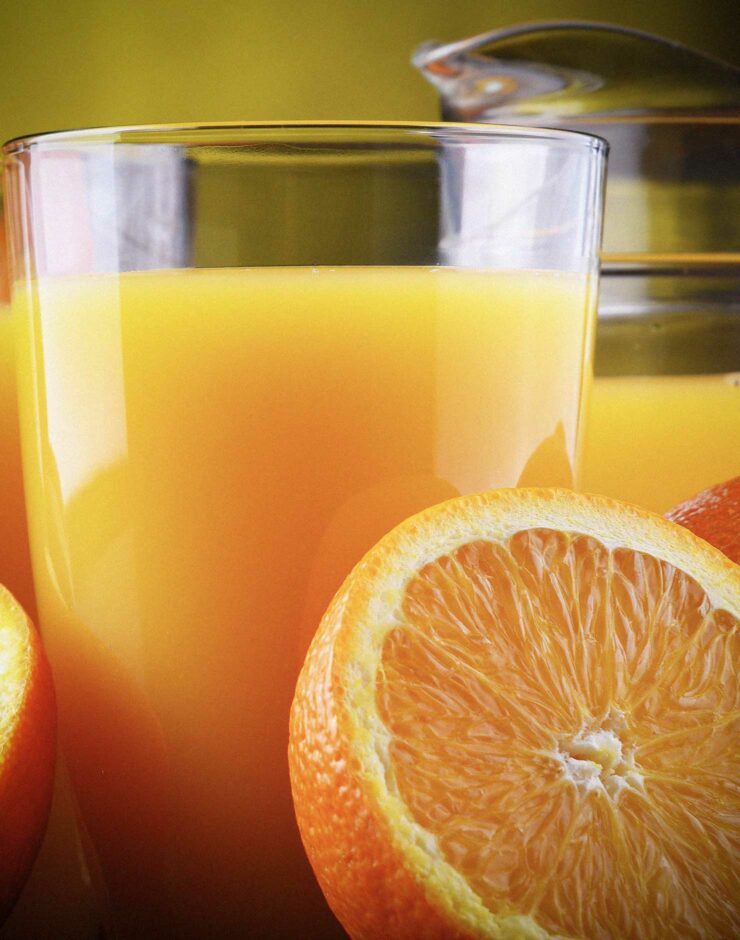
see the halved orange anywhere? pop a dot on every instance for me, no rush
(27, 740)
(518, 719)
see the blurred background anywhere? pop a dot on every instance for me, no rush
(71, 63)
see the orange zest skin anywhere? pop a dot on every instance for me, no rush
(714, 515)
(27, 746)
(516, 721)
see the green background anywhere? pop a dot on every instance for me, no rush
(71, 63)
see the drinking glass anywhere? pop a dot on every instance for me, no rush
(245, 353)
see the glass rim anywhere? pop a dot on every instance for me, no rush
(188, 134)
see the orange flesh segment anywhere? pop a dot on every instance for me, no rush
(563, 719)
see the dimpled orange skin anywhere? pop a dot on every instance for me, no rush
(368, 869)
(714, 515)
(26, 762)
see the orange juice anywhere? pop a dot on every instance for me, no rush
(15, 563)
(213, 451)
(655, 440)
(664, 415)
(57, 900)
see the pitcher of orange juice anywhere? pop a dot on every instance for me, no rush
(665, 407)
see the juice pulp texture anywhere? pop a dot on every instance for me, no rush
(655, 440)
(213, 451)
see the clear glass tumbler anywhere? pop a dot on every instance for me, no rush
(245, 353)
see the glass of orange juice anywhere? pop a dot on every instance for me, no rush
(246, 352)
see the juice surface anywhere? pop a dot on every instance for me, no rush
(213, 451)
(655, 440)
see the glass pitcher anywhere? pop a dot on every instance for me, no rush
(665, 409)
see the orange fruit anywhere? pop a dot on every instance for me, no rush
(518, 719)
(714, 515)
(27, 740)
